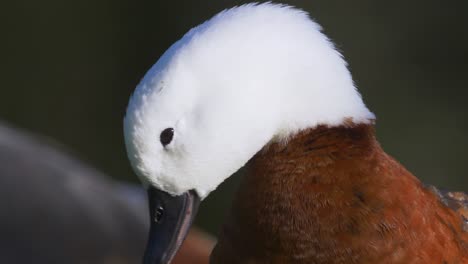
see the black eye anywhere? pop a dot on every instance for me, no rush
(166, 136)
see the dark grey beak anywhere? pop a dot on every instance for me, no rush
(171, 217)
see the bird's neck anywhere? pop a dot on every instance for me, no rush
(325, 194)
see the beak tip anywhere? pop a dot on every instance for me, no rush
(170, 220)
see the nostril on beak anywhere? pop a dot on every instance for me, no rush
(158, 214)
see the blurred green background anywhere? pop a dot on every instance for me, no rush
(69, 67)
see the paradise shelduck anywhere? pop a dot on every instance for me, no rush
(261, 85)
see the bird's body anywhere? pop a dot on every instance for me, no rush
(332, 195)
(261, 85)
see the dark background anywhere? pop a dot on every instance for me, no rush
(69, 67)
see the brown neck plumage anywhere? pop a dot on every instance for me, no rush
(331, 195)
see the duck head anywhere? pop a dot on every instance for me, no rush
(250, 75)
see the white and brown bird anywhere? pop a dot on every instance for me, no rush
(261, 85)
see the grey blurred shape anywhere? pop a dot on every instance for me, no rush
(55, 209)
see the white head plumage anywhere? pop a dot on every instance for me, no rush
(249, 75)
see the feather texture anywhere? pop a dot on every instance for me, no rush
(332, 195)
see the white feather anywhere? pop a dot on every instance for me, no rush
(249, 75)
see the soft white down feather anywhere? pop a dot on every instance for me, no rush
(248, 76)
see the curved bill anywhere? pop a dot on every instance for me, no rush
(171, 218)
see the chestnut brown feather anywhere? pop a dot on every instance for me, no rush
(332, 195)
